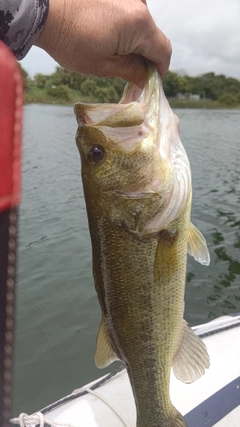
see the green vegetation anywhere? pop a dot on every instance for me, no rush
(214, 91)
(64, 87)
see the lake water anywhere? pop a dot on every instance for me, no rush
(57, 309)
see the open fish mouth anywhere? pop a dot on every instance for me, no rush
(132, 111)
(142, 122)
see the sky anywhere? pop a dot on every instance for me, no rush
(205, 36)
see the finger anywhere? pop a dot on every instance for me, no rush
(157, 48)
(130, 67)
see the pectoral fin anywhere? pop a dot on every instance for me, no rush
(197, 246)
(104, 353)
(192, 357)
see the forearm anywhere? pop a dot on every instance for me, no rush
(106, 38)
(21, 22)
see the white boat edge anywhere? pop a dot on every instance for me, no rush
(213, 400)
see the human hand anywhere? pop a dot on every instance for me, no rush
(106, 38)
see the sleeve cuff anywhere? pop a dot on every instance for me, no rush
(21, 23)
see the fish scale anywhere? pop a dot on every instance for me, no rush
(135, 312)
(138, 200)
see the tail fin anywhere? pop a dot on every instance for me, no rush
(173, 420)
(179, 421)
(176, 420)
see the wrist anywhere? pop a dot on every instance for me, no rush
(53, 29)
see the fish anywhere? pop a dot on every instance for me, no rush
(137, 186)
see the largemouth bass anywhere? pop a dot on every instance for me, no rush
(137, 186)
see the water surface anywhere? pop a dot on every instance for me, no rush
(57, 308)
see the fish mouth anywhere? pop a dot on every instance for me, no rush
(131, 110)
(133, 93)
(133, 119)
(144, 117)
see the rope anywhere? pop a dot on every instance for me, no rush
(109, 404)
(77, 393)
(25, 420)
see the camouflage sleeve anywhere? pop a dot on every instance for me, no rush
(21, 22)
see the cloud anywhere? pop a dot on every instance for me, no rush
(205, 36)
(38, 61)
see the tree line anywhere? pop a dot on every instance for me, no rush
(210, 86)
(65, 86)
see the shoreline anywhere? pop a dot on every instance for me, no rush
(174, 103)
(36, 95)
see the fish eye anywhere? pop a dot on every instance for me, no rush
(96, 153)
